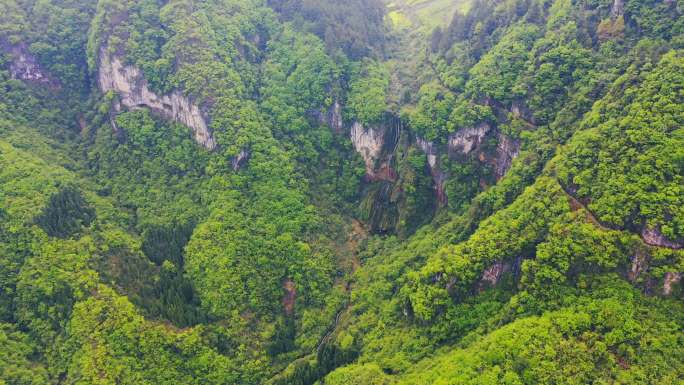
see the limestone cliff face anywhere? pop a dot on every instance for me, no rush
(469, 139)
(493, 274)
(464, 141)
(430, 151)
(640, 264)
(129, 83)
(506, 151)
(368, 142)
(24, 66)
(290, 297)
(439, 178)
(376, 145)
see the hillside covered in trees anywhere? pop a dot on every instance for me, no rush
(350, 192)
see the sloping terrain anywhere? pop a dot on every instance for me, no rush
(322, 192)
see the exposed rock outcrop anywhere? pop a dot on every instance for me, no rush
(376, 146)
(128, 82)
(653, 237)
(439, 178)
(671, 279)
(618, 9)
(333, 117)
(24, 66)
(520, 110)
(467, 139)
(506, 151)
(639, 265)
(369, 143)
(240, 160)
(492, 275)
(429, 149)
(290, 297)
(380, 207)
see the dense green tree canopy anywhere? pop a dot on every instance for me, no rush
(509, 209)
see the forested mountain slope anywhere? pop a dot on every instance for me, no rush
(325, 192)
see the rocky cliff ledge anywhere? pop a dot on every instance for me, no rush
(128, 82)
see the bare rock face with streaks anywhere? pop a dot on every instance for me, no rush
(439, 178)
(375, 145)
(134, 93)
(639, 265)
(506, 151)
(238, 161)
(464, 141)
(290, 297)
